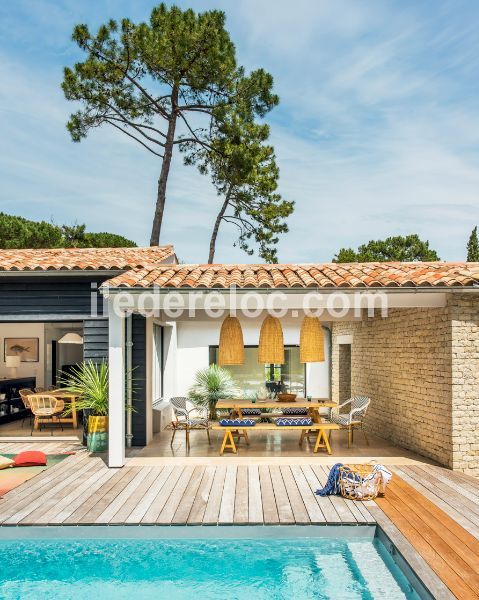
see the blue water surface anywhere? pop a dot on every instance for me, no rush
(176, 569)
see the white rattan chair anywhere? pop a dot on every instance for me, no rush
(354, 418)
(188, 416)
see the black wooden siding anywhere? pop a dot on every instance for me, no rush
(95, 340)
(139, 380)
(46, 297)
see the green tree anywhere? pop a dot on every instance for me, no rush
(17, 232)
(161, 83)
(397, 248)
(473, 247)
(244, 172)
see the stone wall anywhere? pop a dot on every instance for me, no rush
(420, 366)
(344, 375)
(465, 382)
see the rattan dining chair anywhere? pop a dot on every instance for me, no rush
(188, 416)
(24, 393)
(46, 408)
(354, 418)
(39, 390)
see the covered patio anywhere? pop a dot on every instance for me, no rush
(396, 333)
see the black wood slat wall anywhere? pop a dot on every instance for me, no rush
(139, 380)
(95, 340)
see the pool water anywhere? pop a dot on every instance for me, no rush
(177, 569)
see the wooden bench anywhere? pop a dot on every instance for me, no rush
(321, 437)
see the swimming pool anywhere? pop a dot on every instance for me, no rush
(125, 566)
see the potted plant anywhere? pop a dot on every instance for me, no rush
(89, 381)
(212, 384)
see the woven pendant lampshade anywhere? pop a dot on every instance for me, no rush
(311, 341)
(231, 348)
(271, 345)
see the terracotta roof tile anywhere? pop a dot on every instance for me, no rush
(84, 259)
(330, 275)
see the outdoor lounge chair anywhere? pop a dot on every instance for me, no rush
(355, 417)
(188, 416)
(24, 393)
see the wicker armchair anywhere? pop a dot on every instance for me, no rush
(188, 416)
(354, 418)
(24, 393)
(45, 409)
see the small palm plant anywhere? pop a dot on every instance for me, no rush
(212, 384)
(89, 382)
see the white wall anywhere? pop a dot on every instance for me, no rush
(190, 352)
(26, 330)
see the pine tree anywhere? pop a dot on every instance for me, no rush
(473, 247)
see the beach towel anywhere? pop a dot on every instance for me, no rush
(332, 485)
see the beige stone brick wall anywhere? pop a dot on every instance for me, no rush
(402, 362)
(344, 375)
(464, 310)
(421, 369)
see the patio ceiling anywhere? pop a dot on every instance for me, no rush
(329, 275)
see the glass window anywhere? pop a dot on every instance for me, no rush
(251, 375)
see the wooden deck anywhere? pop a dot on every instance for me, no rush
(431, 514)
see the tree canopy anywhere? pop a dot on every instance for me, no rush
(162, 83)
(244, 172)
(17, 232)
(397, 248)
(473, 247)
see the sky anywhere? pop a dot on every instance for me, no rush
(376, 134)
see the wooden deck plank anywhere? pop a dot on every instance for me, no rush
(241, 511)
(123, 497)
(168, 512)
(285, 512)
(451, 480)
(91, 488)
(93, 499)
(213, 505)
(162, 496)
(80, 484)
(227, 507)
(138, 494)
(455, 573)
(184, 507)
(438, 501)
(300, 513)
(313, 509)
(255, 504)
(270, 511)
(324, 502)
(90, 517)
(200, 502)
(450, 496)
(42, 500)
(340, 504)
(144, 504)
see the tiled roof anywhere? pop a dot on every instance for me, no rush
(330, 275)
(95, 259)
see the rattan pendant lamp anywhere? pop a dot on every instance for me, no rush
(271, 344)
(231, 347)
(311, 341)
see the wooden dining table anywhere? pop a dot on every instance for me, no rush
(68, 398)
(314, 405)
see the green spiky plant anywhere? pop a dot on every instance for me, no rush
(89, 381)
(212, 384)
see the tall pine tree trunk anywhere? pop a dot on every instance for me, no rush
(165, 170)
(216, 227)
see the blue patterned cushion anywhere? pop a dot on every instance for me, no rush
(251, 412)
(237, 422)
(282, 422)
(295, 411)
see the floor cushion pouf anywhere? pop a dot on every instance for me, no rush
(30, 458)
(5, 462)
